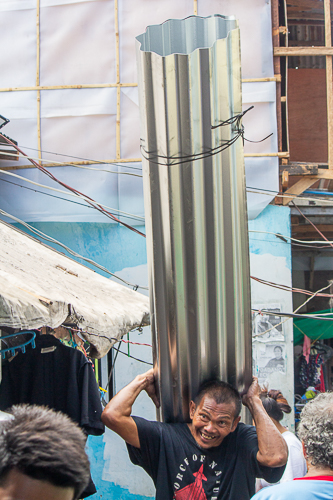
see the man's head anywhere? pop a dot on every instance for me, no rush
(278, 352)
(42, 455)
(214, 413)
(316, 430)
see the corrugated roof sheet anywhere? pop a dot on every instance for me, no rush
(196, 217)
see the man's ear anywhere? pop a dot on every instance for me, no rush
(192, 409)
(235, 423)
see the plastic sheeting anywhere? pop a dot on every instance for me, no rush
(78, 46)
(42, 287)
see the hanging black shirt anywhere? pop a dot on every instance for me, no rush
(56, 376)
(181, 470)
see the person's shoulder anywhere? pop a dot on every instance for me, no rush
(291, 439)
(243, 430)
(163, 427)
(278, 492)
(243, 436)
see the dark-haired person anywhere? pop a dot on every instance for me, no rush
(214, 457)
(276, 405)
(316, 433)
(42, 456)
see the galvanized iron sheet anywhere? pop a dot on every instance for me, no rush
(196, 221)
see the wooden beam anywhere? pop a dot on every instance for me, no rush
(305, 43)
(4, 156)
(311, 4)
(303, 51)
(307, 16)
(285, 179)
(324, 173)
(329, 88)
(298, 188)
(299, 169)
(307, 228)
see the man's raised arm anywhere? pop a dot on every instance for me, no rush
(273, 450)
(117, 413)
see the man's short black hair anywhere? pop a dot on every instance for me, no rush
(45, 445)
(221, 392)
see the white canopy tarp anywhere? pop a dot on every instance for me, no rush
(42, 287)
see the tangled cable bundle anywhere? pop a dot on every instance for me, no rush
(153, 157)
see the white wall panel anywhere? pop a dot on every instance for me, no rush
(78, 47)
(256, 35)
(18, 48)
(77, 44)
(134, 17)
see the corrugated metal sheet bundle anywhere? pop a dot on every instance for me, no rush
(195, 204)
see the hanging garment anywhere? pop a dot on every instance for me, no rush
(306, 348)
(309, 374)
(56, 376)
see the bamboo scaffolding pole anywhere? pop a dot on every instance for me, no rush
(111, 85)
(65, 164)
(126, 160)
(39, 145)
(277, 68)
(63, 87)
(116, 20)
(329, 89)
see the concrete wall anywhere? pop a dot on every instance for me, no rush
(270, 259)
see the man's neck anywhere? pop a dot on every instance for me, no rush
(318, 471)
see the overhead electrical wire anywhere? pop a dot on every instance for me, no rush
(292, 315)
(287, 288)
(137, 359)
(59, 197)
(315, 294)
(269, 192)
(292, 239)
(89, 200)
(64, 164)
(313, 225)
(173, 160)
(301, 243)
(44, 236)
(82, 197)
(101, 162)
(75, 254)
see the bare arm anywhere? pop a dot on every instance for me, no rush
(273, 450)
(117, 413)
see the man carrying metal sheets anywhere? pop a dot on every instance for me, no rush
(214, 456)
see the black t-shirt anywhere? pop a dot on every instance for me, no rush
(56, 376)
(181, 470)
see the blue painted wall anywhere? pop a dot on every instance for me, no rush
(111, 245)
(274, 219)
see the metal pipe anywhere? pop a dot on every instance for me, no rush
(195, 207)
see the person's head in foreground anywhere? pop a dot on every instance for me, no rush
(214, 413)
(316, 433)
(42, 456)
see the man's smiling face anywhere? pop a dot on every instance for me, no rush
(211, 422)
